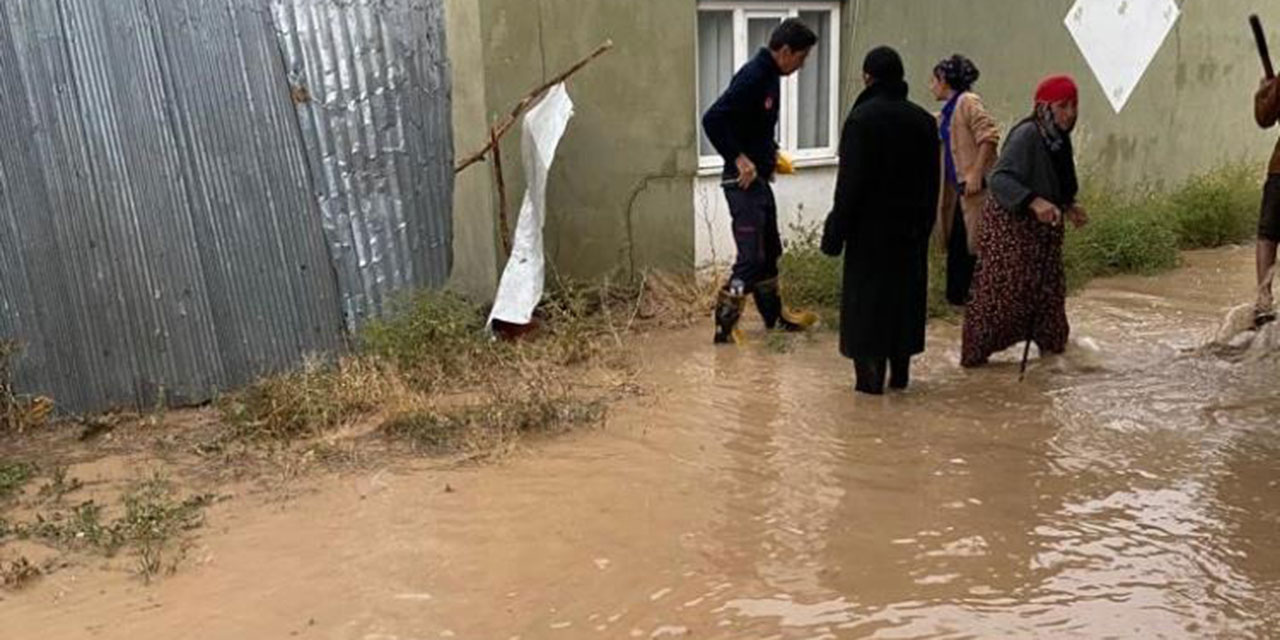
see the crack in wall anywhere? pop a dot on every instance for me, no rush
(637, 189)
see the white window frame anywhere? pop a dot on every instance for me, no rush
(789, 123)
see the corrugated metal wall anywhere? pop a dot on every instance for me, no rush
(176, 217)
(367, 76)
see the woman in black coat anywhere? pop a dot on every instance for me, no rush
(885, 206)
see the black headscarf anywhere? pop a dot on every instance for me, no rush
(884, 64)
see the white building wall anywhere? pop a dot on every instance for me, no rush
(804, 198)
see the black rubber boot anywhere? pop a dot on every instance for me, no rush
(768, 302)
(869, 375)
(728, 310)
(775, 314)
(899, 373)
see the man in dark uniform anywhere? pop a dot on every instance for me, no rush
(741, 126)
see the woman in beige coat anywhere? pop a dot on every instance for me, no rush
(969, 140)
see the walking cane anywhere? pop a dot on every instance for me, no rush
(1035, 315)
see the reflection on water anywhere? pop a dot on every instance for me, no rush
(1128, 488)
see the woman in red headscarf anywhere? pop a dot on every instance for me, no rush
(1019, 290)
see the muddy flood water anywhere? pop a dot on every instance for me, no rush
(1130, 489)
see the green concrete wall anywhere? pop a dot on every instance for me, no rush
(621, 191)
(620, 194)
(1191, 112)
(475, 253)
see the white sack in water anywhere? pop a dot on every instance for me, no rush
(1236, 338)
(521, 286)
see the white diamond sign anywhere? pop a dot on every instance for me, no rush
(1119, 39)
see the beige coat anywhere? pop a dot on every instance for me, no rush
(971, 127)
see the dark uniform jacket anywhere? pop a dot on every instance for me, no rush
(744, 118)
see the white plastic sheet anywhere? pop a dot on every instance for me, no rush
(522, 281)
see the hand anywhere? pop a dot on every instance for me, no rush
(746, 172)
(1077, 215)
(972, 186)
(1046, 211)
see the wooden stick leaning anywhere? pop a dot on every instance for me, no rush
(504, 225)
(509, 121)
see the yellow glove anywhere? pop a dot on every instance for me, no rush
(785, 166)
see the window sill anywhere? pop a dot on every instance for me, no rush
(714, 169)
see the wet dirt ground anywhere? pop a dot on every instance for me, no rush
(1129, 489)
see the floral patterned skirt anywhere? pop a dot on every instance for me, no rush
(1020, 288)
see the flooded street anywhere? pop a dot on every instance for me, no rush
(1128, 489)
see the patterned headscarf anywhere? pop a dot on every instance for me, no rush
(1051, 90)
(958, 72)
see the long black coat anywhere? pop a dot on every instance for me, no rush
(885, 205)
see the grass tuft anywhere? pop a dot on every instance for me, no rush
(14, 475)
(494, 420)
(152, 523)
(306, 402)
(16, 574)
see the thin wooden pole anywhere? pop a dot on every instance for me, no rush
(504, 225)
(509, 121)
